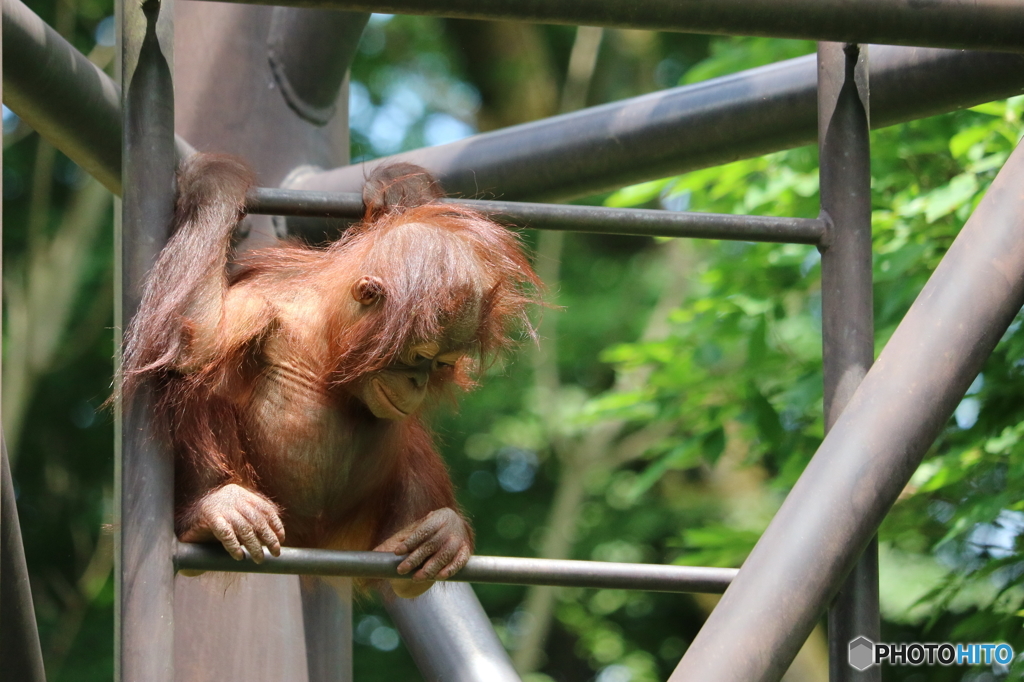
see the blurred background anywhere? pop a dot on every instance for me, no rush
(674, 396)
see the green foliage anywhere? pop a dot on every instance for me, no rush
(717, 546)
(745, 350)
(746, 344)
(736, 54)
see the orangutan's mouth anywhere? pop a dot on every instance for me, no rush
(387, 400)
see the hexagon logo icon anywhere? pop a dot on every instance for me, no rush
(862, 653)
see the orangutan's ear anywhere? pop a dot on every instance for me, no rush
(368, 289)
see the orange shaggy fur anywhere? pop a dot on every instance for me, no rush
(250, 378)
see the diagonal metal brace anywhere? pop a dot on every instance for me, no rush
(872, 450)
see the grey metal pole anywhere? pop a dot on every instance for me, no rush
(979, 24)
(846, 303)
(479, 569)
(596, 219)
(310, 54)
(267, 84)
(450, 637)
(20, 655)
(61, 94)
(695, 126)
(873, 449)
(144, 473)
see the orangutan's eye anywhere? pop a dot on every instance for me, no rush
(447, 360)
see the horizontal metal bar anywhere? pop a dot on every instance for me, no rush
(694, 126)
(480, 569)
(977, 24)
(635, 221)
(299, 203)
(596, 219)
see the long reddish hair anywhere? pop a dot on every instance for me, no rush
(429, 260)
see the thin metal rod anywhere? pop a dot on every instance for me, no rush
(144, 583)
(978, 24)
(292, 202)
(873, 449)
(846, 303)
(599, 219)
(480, 569)
(19, 638)
(695, 126)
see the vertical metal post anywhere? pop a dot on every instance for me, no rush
(20, 656)
(144, 472)
(327, 626)
(269, 85)
(846, 302)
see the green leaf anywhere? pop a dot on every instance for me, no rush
(894, 265)
(685, 455)
(967, 138)
(713, 445)
(636, 195)
(946, 199)
(991, 108)
(717, 546)
(766, 419)
(629, 405)
(1009, 437)
(757, 345)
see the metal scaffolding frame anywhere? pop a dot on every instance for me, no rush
(880, 419)
(978, 24)
(57, 91)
